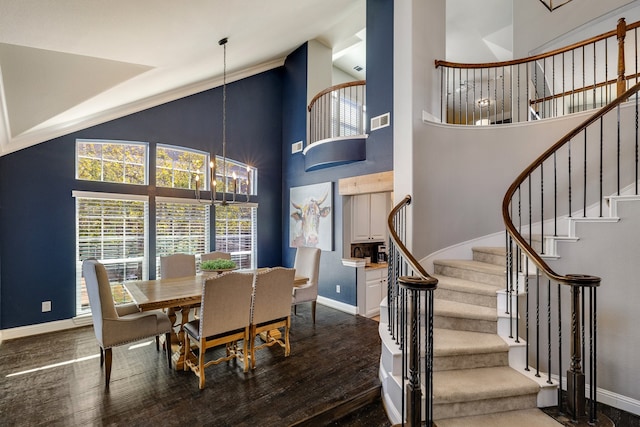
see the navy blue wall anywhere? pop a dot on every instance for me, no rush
(37, 211)
(379, 71)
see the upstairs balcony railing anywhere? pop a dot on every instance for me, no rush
(582, 76)
(410, 310)
(338, 111)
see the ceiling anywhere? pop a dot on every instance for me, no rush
(66, 65)
(69, 64)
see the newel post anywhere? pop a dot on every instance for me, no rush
(621, 33)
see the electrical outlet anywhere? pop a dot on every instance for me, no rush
(337, 289)
(46, 306)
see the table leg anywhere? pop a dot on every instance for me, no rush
(179, 352)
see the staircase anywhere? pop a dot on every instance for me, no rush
(474, 383)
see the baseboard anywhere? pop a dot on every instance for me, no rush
(43, 328)
(609, 398)
(341, 306)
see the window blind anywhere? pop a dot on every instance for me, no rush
(114, 231)
(182, 226)
(236, 233)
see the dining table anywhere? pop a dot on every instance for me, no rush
(178, 296)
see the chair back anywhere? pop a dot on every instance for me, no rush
(215, 255)
(226, 303)
(100, 297)
(177, 265)
(307, 264)
(272, 294)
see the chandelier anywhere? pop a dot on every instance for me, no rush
(212, 164)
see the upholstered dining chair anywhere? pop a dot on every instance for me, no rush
(271, 309)
(225, 314)
(116, 325)
(177, 265)
(307, 264)
(215, 255)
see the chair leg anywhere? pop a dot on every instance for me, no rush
(157, 342)
(107, 371)
(167, 340)
(294, 310)
(201, 363)
(313, 311)
(101, 357)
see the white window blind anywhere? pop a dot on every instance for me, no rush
(236, 233)
(182, 226)
(113, 230)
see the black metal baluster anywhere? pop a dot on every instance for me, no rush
(560, 405)
(526, 291)
(555, 195)
(549, 331)
(569, 178)
(542, 207)
(636, 139)
(538, 322)
(601, 162)
(618, 148)
(584, 189)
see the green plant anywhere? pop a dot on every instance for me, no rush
(217, 264)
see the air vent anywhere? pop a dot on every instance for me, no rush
(380, 121)
(296, 147)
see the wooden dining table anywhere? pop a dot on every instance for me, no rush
(178, 295)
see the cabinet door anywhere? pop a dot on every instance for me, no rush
(360, 208)
(374, 283)
(378, 219)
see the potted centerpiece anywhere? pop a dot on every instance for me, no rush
(217, 265)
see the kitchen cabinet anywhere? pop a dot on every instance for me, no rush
(369, 217)
(375, 290)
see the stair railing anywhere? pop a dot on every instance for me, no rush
(410, 313)
(569, 181)
(582, 76)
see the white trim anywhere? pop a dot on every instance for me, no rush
(341, 306)
(116, 196)
(43, 328)
(187, 201)
(607, 397)
(333, 139)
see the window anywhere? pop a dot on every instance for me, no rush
(236, 233)
(180, 167)
(182, 226)
(113, 229)
(111, 161)
(236, 173)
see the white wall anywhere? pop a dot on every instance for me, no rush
(458, 175)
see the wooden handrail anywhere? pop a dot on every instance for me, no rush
(333, 88)
(571, 279)
(411, 260)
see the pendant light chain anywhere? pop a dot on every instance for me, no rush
(223, 42)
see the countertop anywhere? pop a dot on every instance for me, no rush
(359, 262)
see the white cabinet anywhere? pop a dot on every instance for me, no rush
(369, 217)
(375, 290)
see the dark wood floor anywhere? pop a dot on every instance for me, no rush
(329, 363)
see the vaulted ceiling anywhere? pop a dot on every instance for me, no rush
(70, 64)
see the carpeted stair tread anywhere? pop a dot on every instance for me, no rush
(471, 265)
(445, 308)
(524, 418)
(490, 254)
(449, 342)
(468, 286)
(467, 385)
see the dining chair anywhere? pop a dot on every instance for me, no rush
(177, 265)
(115, 325)
(271, 309)
(225, 314)
(307, 264)
(215, 255)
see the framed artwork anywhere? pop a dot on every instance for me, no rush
(311, 216)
